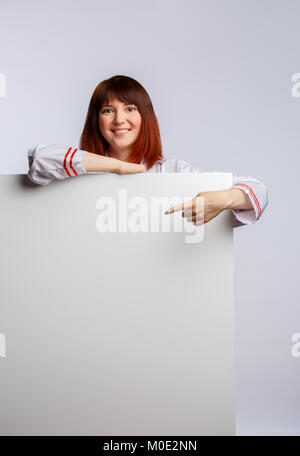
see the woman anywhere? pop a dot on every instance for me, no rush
(121, 135)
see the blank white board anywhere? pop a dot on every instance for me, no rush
(114, 333)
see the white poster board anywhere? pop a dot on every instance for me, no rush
(121, 332)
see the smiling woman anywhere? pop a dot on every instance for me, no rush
(121, 135)
(122, 103)
(120, 120)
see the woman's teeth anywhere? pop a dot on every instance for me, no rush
(121, 132)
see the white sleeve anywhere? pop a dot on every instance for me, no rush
(258, 195)
(257, 192)
(55, 162)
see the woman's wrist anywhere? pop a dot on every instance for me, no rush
(236, 198)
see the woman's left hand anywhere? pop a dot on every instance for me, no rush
(204, 207)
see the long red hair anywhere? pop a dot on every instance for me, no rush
(127, 90)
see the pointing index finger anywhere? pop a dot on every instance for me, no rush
(175, 209)
(179, 207)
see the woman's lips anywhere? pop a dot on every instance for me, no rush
(121, 134)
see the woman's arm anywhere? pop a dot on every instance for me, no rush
(247, 204)
(98, 163)
(56, 162)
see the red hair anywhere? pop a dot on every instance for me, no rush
(147, 146)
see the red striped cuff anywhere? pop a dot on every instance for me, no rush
(68, 162)
(239, 184)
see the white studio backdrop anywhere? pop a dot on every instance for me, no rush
(222, 77)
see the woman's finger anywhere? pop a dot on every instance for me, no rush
(180, 207)
(199, 217)
(198, 223)
(188, 212)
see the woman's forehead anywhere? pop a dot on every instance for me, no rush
(110, 101)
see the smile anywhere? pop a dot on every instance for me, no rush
(120, 132)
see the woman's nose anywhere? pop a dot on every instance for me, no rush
(119, 117)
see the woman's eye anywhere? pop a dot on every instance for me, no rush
(107, 109)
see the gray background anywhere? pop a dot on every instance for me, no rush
(219, 76)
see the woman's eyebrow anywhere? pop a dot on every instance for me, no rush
(111, 106)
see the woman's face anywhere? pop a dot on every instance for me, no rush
(118, 116)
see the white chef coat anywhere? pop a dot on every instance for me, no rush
(48, 163)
